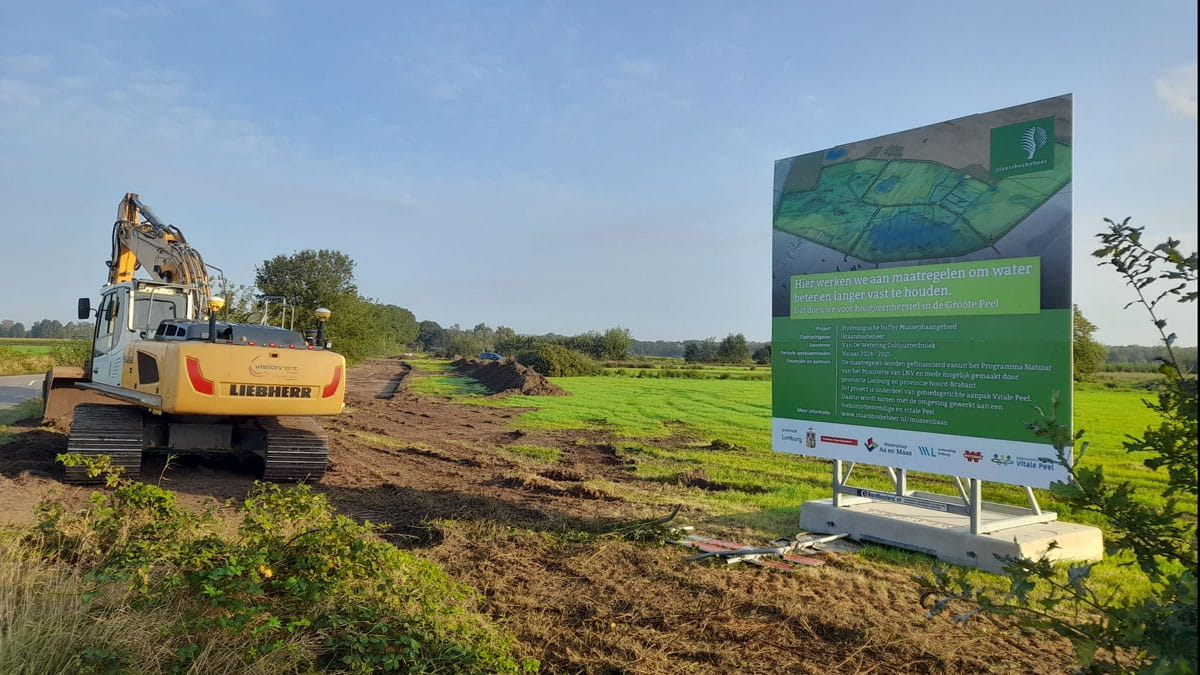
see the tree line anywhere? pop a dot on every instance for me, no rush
(46, 328)
(610, 345)
(288, 288)
(679, 348)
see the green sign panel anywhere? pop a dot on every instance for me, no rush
(921, 296)
(1024, 147)
(975, 288)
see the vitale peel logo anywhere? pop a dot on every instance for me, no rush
(1002, 460)
(1023, 147)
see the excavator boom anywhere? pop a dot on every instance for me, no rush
(140, 239)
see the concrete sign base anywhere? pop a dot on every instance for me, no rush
(948, 535)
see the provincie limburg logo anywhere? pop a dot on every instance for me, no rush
(1023, 147)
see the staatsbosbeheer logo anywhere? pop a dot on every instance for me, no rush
(871, 445)
(1023, 147)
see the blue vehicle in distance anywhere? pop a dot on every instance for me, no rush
(490, 356)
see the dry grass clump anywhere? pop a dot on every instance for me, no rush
(53, 620)
(540, 484)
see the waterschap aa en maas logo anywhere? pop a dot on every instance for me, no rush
(1023, 147)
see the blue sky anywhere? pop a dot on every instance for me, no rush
(554, 166)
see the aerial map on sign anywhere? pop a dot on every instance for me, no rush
(879, 206)
(968, 189)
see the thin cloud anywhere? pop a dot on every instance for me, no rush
(1177, 89)
(125, 11)
(25, 64)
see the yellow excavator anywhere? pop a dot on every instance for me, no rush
(166, 376)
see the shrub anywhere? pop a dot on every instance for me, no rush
(558, 361)
(297, 583)
(1111, 633)
(71, 353)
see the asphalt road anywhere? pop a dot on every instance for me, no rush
(17, 388)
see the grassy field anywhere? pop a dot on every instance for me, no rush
(675, 427)
(737, 412)
(40, 343)
(22, 356)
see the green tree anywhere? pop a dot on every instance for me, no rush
(399, 326)
(733, 349)
(463, 343)
(240, 304)
(614, 344)
(510, 344)
(355, 331)
(431, 336)
(47, 328)
(1157, 631)
(762, 355)
(700, 351)
(308, 279)
(79, 330)
(1088, 354)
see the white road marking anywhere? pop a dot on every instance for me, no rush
(31, 383)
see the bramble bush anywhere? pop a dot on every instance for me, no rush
(1113, 633)
(297, 583)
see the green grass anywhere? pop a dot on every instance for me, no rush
(645, 411)
(732, 410)
(32, 342)
(25, 410)
(1120, 379)
(27, 349)
(695, 371)
(447, 385)
(435, 378)
(376, 439)
(23, 356)
(535, 452)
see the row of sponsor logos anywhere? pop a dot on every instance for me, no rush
(811, 438)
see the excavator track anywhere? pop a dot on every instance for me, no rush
(112, 430)
(296, 449)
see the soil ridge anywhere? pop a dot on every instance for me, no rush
(508, 377)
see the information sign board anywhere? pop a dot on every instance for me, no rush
(922, 296)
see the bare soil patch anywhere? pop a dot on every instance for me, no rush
(524, 534)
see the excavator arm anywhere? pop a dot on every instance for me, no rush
(140, 239)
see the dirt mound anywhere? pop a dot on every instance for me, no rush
(508, 377)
